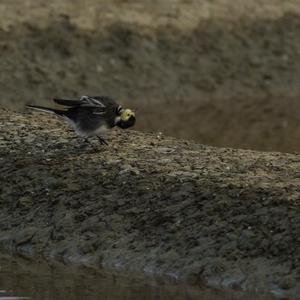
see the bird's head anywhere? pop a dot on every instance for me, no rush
(127, 118)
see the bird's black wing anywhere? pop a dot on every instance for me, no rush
(96, 105)
(85, 101)
(92, 101)
(110, 104)
(104, 100)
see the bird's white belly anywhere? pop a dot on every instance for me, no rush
(101, 130)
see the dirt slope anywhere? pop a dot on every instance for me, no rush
(153, 203)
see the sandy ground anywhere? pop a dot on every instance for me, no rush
(150, 203)
(219, 72)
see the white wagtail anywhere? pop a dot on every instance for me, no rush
(92, 116)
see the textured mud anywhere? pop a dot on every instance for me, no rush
(220, 72)
(150, 203)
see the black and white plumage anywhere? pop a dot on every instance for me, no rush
(91, 116)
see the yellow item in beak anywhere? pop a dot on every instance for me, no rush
(126, 114)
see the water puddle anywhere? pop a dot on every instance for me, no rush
(24, 279)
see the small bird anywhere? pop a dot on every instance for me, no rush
(91, 116)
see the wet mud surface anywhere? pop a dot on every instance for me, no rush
(150, 203)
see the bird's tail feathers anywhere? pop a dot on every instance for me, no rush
(46, 109)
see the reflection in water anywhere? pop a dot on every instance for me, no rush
(38, 280)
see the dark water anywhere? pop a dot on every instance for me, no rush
(39, 280)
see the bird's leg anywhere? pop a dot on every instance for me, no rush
(102, 140)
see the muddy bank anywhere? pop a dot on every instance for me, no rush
(150, 203)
